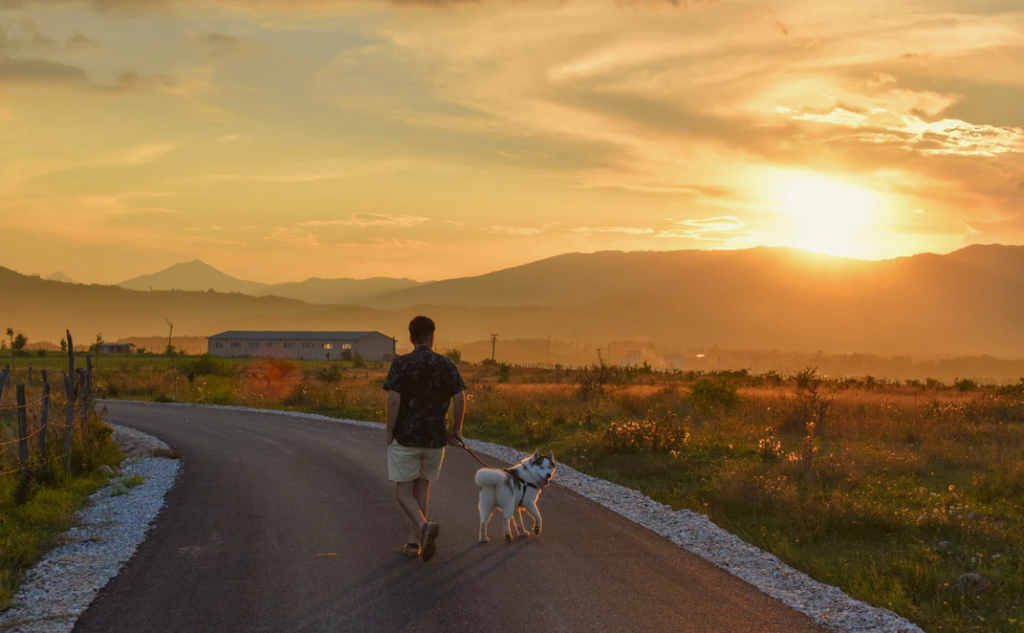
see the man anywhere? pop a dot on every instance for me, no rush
(420, 387)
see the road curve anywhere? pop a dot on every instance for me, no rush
(280, 523)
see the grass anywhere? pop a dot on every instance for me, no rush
(900, 489)
(35, 512)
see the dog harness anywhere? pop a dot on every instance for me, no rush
(519, 480)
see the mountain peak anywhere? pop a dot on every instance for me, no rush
(61, 277)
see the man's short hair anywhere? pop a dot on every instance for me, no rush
(421, 328)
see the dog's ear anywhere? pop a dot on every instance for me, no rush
(536, 453)
(551, 455)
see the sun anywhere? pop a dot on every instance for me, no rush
(829, 215)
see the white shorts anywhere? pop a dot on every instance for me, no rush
(409, 463)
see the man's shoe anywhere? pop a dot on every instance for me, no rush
(412, 550)
(428, 540)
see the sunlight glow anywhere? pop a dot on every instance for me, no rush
(828, 214)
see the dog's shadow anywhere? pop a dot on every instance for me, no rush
(401, 591)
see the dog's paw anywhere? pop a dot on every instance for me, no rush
(536, 530)
(508, 538)
(485, 541)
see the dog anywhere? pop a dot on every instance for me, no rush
(512, 490)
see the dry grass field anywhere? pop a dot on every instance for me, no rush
(890, 491)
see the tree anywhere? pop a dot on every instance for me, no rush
(19, 342)
(63, 345)
(96, 346)
(10, 335)
(455, 356)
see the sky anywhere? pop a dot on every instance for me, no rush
(280, 140)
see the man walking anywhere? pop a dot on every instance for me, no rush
(420, 387)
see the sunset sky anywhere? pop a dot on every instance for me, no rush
(281, 140)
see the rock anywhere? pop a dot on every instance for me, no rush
(972, 516)
(944, 544)
(106, 470)
(971, 584)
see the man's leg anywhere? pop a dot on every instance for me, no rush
(406, 493)
(421, 491)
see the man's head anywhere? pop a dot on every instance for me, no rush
(421, 331)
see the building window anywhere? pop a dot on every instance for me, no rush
(307, 346)
(218, 344)
(289, 345)
(328, 346)
(253, 344)
(346, 346)
(236, 344)
(270, 344)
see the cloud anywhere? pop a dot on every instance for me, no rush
(362, 220)
(629, 230)
(294, 237)
(217, 44)
(723, 229)
(38, 70)
(141, 154)
(514, 230)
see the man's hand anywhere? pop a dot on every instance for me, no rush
(389, 437)
(455, 437)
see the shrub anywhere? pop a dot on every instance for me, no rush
(329, 373)
(769, 447)
(655, 433)
(504, 372)
(965, 384)
(714, 393)
(455, 355)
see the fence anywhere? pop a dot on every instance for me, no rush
(77, 385)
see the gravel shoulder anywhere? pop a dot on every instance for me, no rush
(109, 529)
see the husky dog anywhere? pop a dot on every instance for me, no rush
(513, 489)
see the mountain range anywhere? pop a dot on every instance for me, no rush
(200, 276)
(968, 302)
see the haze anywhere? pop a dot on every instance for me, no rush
(428, 140)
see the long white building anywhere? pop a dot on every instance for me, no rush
(371, 346)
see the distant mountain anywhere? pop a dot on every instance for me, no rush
(339, 291)
(194, 275)
(200, 276)
(61, 277)
(965, 303)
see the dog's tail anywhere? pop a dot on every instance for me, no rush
(490, 477)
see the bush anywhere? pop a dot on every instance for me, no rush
(205, 365)
(965, 384)
(714, 393)
(655, 433)
(455, 355)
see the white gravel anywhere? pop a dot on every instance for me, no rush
(100, 549)
(109, 529)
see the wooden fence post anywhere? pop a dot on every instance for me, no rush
(69, 390)
(30, 375)
(22, 427)
(44, 419)
(5, 374)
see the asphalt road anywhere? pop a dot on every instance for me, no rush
(284, 524)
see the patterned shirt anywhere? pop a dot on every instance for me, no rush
(427, 381)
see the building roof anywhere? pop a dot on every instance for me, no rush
(297, 336)
(117, 344)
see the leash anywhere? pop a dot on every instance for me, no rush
(470, 451)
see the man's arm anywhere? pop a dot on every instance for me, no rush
(394, 402)
(455, 434)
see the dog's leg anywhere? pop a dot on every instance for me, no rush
(520, 525)
(486, 509)
(531, 507)
(508, 520)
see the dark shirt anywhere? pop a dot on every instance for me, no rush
(427, 381)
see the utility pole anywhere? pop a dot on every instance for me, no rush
(494, 340)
